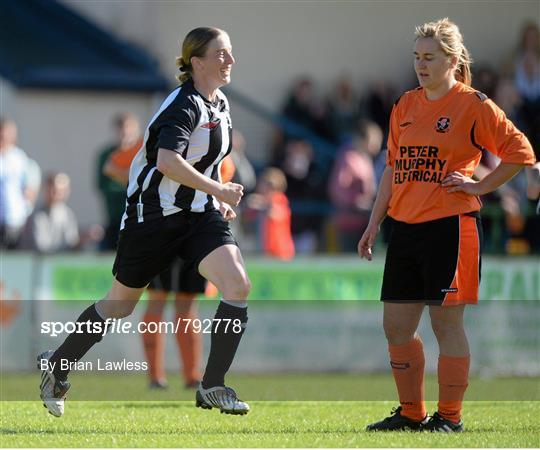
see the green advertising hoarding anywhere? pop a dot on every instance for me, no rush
(302, 279)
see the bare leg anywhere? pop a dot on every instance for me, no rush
(153, 343)
(189, 342)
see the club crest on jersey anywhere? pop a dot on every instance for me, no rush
(210, 125)
(443, 125)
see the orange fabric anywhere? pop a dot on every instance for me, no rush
(190, 345)
(453, 381)
(467, 276)
(122, 157)
(408, 364)
(227, 169)
(276, 228)
(154, 347)
(430, 139)
(211, 290)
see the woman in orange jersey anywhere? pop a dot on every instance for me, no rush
(437, 134)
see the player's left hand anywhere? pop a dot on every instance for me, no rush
(457, 182)
(227, 212)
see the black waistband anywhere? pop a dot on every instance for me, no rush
(475, 214)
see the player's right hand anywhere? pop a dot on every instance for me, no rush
(367, 241)
(231, 193)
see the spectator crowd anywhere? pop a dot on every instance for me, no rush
(316, 193)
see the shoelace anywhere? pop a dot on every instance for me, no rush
(393, 412)
(231, 393)
(222, 396)
(60, 390)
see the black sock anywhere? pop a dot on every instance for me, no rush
(223, 343)
(77, 344)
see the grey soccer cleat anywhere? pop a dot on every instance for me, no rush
(221, 397)
(53, 392)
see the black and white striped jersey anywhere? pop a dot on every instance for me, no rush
(200, 131)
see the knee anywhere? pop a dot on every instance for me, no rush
(185, 304)
(237, 288)
(398, 333)
(155, 307)
(443, 329)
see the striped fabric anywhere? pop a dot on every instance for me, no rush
(195, 128)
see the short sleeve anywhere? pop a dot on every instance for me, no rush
(393, 136)
(497, 134)
(176, 125)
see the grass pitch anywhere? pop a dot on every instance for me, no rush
(299, 423)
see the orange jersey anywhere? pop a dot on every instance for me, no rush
(122, 157)
(227, 169)
(276, 228)
(429, 139)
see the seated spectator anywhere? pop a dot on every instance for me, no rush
(485, 79)
(20, 178)
(344, 109)
(352, 185)
(378, 102)
(299, 104)
(112, 174)
(245, 173)
(523, 66)
(52, 227)
(273, 214)
(305, 187)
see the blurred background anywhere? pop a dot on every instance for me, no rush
(311, 95)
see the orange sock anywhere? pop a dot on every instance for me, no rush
(153, 349)
(453, 381)
(190, 345)
(408, 363)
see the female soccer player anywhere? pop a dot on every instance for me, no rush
(437, 133)
(184, 280)
(176, 206)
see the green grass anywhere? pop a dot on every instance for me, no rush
(302, 423)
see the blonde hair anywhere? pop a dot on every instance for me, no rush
(275, 178)
(447, 34)
(195, 44)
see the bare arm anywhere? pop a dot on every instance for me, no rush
(173, 166)
(533, 181)
(457, 182)
(118, 174)
(383, 197)
(377, 214)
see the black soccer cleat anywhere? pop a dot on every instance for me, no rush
(397, 422)
(158, 385)
(438, 424)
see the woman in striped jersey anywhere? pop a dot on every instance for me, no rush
(176, 206)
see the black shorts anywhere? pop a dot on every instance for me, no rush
(147, 249)
(436, 262)
(181, 276)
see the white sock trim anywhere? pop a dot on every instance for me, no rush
(236, 303)
(100, 313)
